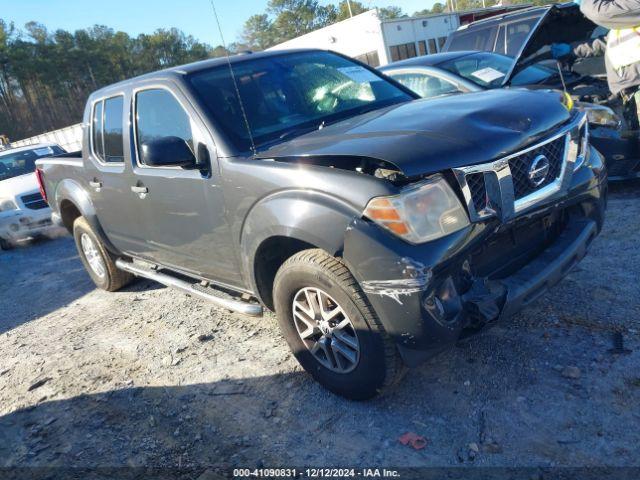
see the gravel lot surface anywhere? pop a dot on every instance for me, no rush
(149, 376)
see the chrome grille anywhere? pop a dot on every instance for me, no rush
(478, 190)
(506, 187)
(34, 201)
(554, 151)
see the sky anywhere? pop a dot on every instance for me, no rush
(194, 17)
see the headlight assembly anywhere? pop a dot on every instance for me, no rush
(420, 213)
(600, 115)
(7, 204)
(579, 144)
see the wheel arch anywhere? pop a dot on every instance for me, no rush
(73, 201)
(282, 225)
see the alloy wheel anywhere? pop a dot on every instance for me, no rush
(326, 330)
(91, 253)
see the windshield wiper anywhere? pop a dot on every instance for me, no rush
(375, 106)
(289, 133)
(296, 132)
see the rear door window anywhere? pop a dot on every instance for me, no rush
(113, 141)
(158, 115)
(96, 131)
(106, 130)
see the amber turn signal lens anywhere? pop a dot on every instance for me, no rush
(399, 228)
(384, 214)
(382, 211)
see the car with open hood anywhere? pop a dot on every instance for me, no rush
(378, 226)
(521, 42)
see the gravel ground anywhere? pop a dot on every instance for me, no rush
(148, 376)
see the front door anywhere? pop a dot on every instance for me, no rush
(182, 209)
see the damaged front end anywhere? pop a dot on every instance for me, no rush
(521, 240)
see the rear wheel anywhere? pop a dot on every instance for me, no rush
(99, 263)
(331, 328)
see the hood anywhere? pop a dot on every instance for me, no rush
(560, 23)
(431, 135)
(16, 186)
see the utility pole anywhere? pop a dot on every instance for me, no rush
(349, 7)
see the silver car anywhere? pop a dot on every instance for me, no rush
(24, 213)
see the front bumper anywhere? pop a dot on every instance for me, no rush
(550, 266)
(18, 225)
(428, 296)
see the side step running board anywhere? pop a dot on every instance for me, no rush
(235, 305)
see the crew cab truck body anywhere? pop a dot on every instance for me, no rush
(379, 227)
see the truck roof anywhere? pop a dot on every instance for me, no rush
(180, 70)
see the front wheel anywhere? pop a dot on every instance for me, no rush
(331, 328)
(98, 262)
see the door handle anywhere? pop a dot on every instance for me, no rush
(95, 184)
(139, 190)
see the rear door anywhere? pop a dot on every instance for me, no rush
(181, 211)
(107, 175)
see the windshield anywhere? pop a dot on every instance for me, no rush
(287, 94)
(13, 164)
(489, 69)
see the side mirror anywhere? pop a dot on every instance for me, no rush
(168, 152)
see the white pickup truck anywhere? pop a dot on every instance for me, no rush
(23, 211)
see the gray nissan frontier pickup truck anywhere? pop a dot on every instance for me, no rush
(380, 228)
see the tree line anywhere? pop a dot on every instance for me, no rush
(286, 19)
(46, 77)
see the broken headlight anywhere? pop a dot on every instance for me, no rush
(421, 212)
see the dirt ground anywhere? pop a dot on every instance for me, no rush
(150, 377)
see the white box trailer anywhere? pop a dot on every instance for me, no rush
(69, 138)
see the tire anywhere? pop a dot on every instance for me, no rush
(5, 244)
(314, 277)
(108, 277)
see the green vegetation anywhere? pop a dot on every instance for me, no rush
(45, 77)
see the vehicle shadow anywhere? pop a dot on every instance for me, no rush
(42, 276)
(625, 188)
(201, 425)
